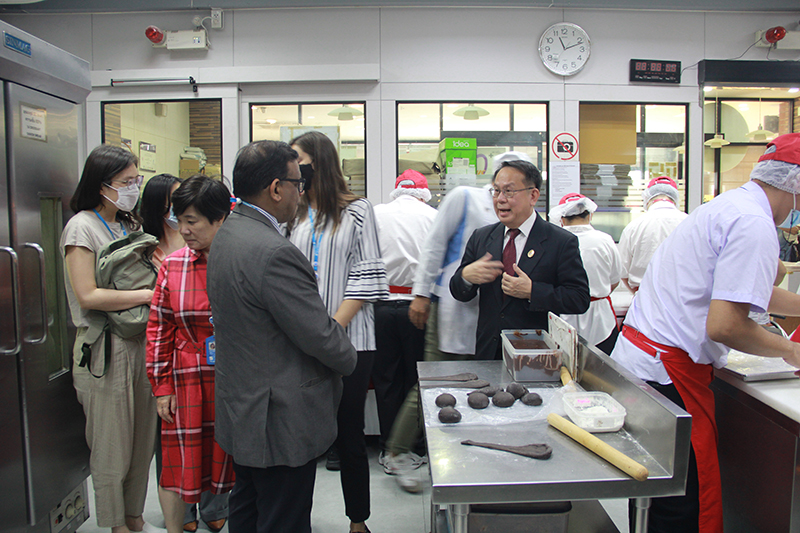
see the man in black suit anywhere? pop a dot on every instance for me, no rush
(522, 266)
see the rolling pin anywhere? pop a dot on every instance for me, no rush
(565, 376)
(609, 453)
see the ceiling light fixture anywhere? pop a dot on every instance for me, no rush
(345, 112)
(718, 141)
(470, 112)
(760, 134)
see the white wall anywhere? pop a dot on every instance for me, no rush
(169, 134)
(381, 55)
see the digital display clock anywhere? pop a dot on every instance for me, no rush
(655, 71)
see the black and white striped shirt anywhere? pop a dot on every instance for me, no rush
(349, 266)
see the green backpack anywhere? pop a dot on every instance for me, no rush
(123, 264)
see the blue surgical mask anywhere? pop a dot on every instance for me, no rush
(793, 217)
(171, 220)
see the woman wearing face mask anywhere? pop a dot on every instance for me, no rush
(158, 220)
(336, 231)
(194, 467)
(119, 406)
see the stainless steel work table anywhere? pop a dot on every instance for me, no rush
(656, 434)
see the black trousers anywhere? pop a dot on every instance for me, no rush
(350, 441)
(267, 500)
(400, 346)
(607, 346)
(674, 514)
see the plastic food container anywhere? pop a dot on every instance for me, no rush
(531, 355)
(596, 412)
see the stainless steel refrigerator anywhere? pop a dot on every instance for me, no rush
(43, 452)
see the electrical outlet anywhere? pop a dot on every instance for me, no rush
(216, 18)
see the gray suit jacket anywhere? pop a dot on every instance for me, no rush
(280, 356)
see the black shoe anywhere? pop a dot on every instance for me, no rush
(332, 462)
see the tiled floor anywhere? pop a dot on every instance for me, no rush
(393, 510)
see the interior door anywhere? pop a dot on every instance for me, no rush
(43, 173)
(12, 478)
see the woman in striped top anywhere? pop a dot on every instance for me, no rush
(336, 231)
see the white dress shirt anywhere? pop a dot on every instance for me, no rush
(641, 238)
(726, 250)
(604, 268)
(403, 225)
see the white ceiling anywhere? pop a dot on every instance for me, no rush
(105, 6)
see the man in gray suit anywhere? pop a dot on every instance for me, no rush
(280, 356)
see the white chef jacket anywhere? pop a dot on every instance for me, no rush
(726, 250)
(640, 238)
(603, 266)
(403, 226)
(463, 210)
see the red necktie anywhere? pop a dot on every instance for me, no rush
(510, 252)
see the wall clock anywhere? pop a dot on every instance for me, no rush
(564, 48)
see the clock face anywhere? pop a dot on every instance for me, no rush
(564, 48)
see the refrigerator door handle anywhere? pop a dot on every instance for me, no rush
(42, 283)
(15, 295)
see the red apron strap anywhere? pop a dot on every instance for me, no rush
(692, 381)
(593, 299)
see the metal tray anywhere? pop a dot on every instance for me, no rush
(749, 367)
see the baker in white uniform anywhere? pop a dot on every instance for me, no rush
(692, 308)
(641, 238)
(603, 265)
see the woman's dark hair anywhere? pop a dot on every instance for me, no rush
(328, 186)
(209, 196)
(105, 162)
(155, 202)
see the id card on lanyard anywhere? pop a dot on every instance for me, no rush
(211, 347)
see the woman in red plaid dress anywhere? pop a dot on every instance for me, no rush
(177, 365)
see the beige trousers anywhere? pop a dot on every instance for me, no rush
(120, 427)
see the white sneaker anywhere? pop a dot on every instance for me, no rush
(409, 481)
(382, 458)
(404, 468)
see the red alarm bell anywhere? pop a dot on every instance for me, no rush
(157, 36)
(773, 35)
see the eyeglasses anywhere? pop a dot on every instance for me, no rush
(301, 183)
(130, 181)
(508, 193)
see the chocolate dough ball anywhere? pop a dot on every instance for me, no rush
(517, 390)
(448, 415)
(445, 400)
(531, 399)
(489, 391)
(503, 399)
(478, 400)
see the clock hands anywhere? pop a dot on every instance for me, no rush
(562, 43)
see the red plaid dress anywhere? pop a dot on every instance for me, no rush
(177, 330)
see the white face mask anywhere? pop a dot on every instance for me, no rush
(126, 197)
(171, 220)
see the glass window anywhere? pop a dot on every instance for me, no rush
(181, 138)
(488, 129)
(623, 146)
(747, 124)
(343, 123)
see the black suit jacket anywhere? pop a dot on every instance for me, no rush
(558, 279)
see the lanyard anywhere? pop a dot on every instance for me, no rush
(314, 242)
(124, 233)
(269, 217)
